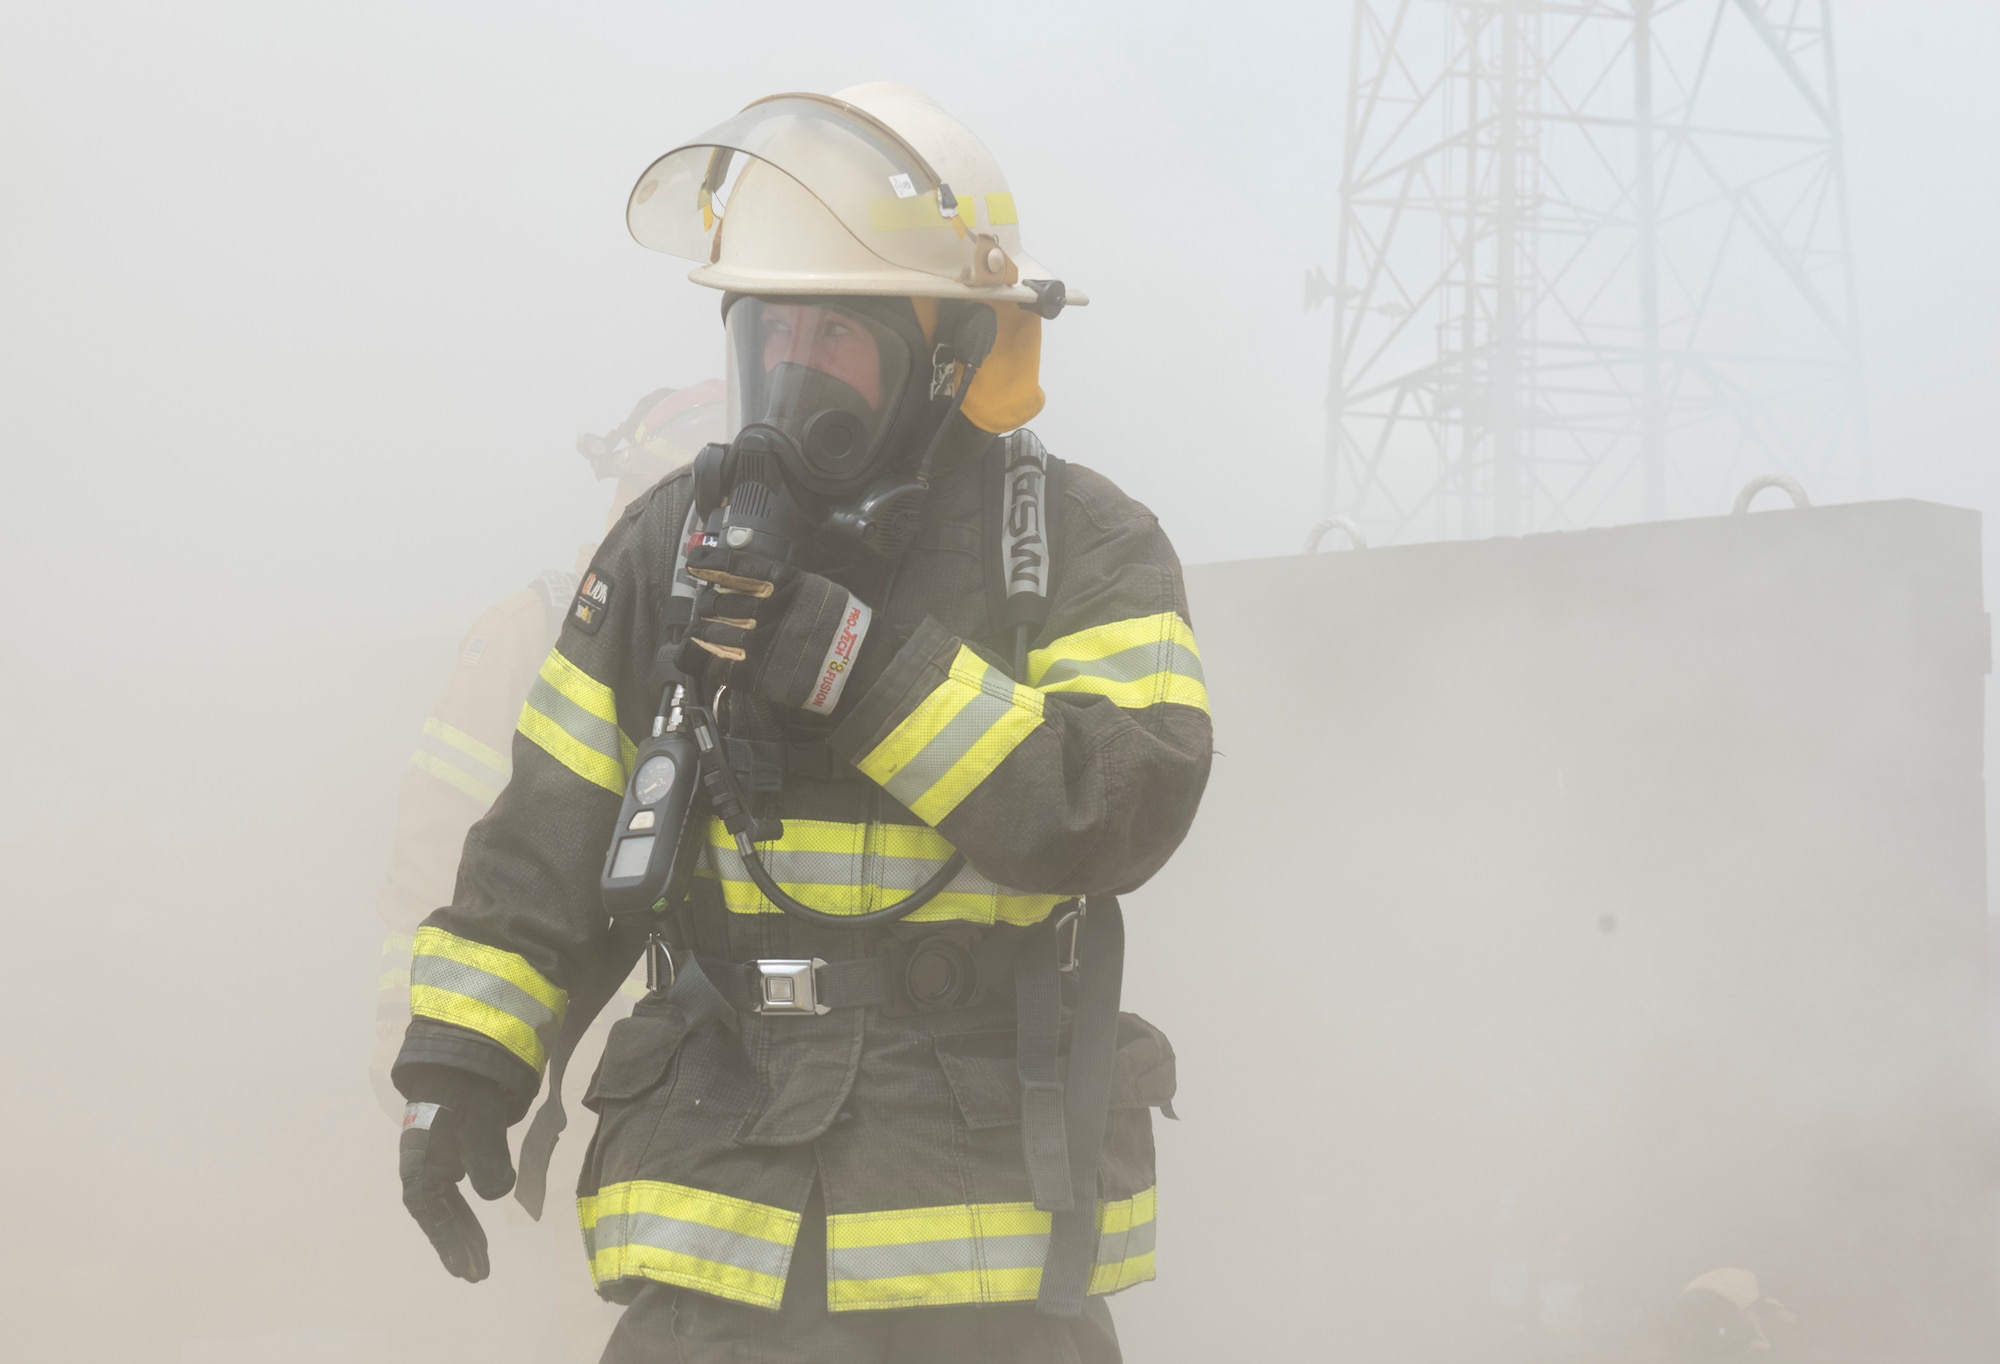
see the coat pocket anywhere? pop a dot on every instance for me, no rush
(637, 1055)
(980, 1068)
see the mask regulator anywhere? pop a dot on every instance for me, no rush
(682, 774)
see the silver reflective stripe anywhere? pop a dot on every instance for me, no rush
(1116, 1247)
(1128, 665)
(688, 1238)
(441, 973)
(594, 733)
(939, 1257)
(951, 743)
(967, 1255)
(798, 866)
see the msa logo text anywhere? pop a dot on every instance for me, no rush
(1023, 542)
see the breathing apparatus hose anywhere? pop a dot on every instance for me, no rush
(973, 343)
(902, 909)
(730, 805)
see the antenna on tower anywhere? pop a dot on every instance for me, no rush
(1593, 264)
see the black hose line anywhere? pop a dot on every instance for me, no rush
(735, 813)
(902, 909)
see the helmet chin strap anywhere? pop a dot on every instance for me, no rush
(970, 345)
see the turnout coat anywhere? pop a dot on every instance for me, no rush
(906, 1108)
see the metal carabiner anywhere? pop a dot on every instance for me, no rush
(1071, 922)
(660, 969)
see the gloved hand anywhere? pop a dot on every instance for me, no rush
(457, 1130)
(784, 634)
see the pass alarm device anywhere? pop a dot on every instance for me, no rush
(650, 860)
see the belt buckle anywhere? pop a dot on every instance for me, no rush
(789, 987)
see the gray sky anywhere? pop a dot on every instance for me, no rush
(313, 299)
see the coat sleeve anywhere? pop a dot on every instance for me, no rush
(491, 973)
(1083, 776)
(455, 772)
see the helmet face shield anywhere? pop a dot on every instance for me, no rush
(876, 185)
(827, 377)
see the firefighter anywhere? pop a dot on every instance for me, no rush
(972, 685)
(460, 761)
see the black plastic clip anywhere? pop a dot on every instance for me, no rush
(1051, 295)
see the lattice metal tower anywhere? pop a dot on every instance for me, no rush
(1592, 266)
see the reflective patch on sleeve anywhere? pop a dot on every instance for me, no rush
(954, 738)
(573, 718)
(1141, 662)
(593, 603)
(492, 992)
(670, 1233)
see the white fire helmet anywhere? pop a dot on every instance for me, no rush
(874, 191)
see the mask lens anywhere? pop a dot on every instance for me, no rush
(828, 377)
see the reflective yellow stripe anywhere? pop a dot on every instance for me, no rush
(908, 739)
(573, 717)
(492, 992)
(1000, 210)
(897, 1226)
(452, 777)
(579, 686)
(1141, 662)
(855, 868)
(1124, 1259)
(1151, 690)
(508, 966)
(951, 1288)
(954, 738)
(974, 1253)
(445, 1006)
(1111, 1278)
(465, 743)
(916, 213)
(671, 1233)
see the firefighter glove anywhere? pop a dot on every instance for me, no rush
(464, 1136)
(784, 634)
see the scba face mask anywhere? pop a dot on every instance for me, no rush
(826, 382)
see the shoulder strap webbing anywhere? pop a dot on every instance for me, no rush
(1023, 497)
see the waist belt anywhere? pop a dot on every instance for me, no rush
(791, 986)
(912, 976)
